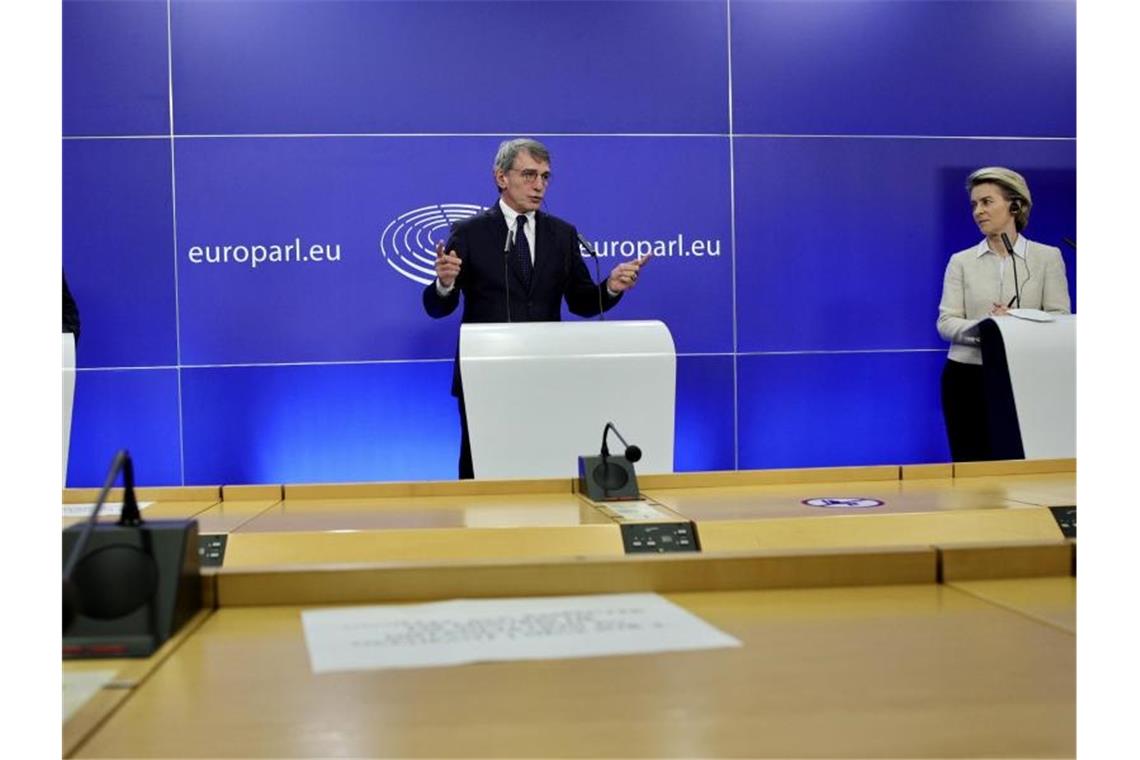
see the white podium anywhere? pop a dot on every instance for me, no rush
(538, 394)
(68, 395)
(1030, 373)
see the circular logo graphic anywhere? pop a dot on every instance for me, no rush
(840, 502)
(408, 242)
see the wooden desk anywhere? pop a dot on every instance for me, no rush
(1050, 600)
(889, 671)
(851, 645)
(925, 511)
(336, 529)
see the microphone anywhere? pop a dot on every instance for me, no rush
(506, 269)
(129, 586)
(72, 602)
(1016, 287)
(607, 477)
(597, 274)
(1071, 243)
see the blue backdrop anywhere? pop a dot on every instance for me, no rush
(250, 190)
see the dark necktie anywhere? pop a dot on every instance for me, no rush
(522, 252)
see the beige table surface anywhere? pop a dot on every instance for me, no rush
(891, 671)
(1050, 600)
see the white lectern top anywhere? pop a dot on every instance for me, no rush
(538, 394)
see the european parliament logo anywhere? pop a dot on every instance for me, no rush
(408, 242)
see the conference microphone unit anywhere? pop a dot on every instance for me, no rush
(597, 275)
(606, 477)
(1016, 287)
(127, 586)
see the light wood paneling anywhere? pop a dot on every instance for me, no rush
(966, 562)
(428, 488)
(171, 493)
(1014, 467)
(766, 477)
(662, 573)
(254, 493)
(252, 549)
(925, 471)
(929, 528)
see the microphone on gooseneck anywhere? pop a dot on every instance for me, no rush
(1016, 287)
(597, 275)
(72, 603)
(128, 586)
(506, 270)
(613, 476)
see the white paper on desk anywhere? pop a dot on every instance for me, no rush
(110, 509)
(80, 686)
(474, 630)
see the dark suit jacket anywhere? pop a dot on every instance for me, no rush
(70, 312)
(559, 272)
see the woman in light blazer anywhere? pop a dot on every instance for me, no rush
(979, 283)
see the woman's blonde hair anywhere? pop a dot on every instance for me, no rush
(1013, 186)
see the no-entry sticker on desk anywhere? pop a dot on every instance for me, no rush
(842, 502)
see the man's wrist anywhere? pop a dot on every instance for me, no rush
(443, 290)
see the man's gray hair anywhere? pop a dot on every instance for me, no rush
(509, 149)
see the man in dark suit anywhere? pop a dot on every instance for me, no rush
(514, 263)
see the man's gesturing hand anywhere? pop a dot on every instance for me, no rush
(446, 266)
(624, 276)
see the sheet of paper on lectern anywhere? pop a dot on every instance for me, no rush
(536, 628)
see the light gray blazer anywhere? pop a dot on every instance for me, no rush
(974, 283)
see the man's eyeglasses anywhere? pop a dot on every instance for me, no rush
(530, 176)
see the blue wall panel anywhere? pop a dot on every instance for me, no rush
(842, 244)
(838, 67)
(115, 68)
(318, 67)
(135, 410)
(704, 414)
(331, 423)
(820, 410)
(118, 250)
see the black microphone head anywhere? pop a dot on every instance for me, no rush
(1008, 245)
(632, 453)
